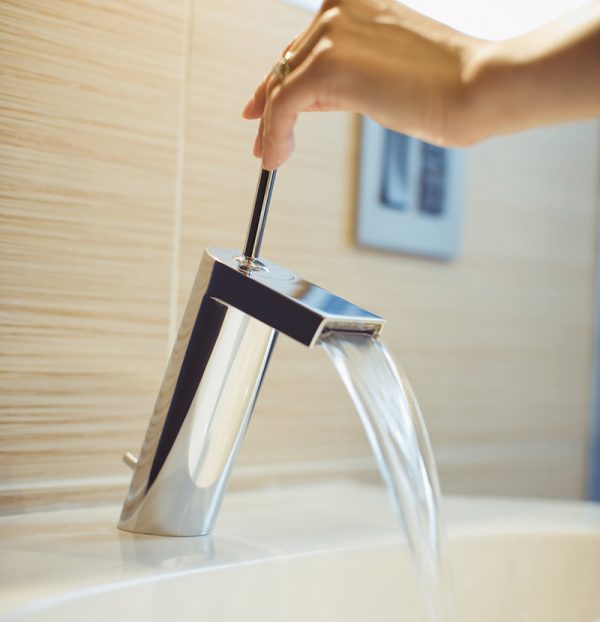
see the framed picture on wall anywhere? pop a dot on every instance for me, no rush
(410, 194)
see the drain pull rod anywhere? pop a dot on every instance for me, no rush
(256, 229)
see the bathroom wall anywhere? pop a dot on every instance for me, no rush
(123, 155)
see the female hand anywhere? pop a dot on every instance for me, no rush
(375, 57)
(417, 76)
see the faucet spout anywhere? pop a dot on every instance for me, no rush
(222, 351)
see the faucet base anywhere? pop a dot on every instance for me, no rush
(200, 417)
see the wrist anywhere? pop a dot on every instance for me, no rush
(510, 86)
(545, 77)
(486, 75)
(471, 113)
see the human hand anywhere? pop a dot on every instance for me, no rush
(375, 57)
(417, 76)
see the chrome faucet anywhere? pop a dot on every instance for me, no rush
(238, 305)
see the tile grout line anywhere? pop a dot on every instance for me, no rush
(180, 167)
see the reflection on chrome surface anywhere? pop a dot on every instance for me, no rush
(225, 340)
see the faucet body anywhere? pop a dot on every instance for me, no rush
(225, 340)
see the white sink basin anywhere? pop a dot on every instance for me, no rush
(328, 552)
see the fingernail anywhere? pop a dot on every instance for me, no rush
(248, 107)
(256, 149)
(261, 147)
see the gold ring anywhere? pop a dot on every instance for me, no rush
(281, 69)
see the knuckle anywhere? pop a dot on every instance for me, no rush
(329, 4)
(325, 58)
(276, 96)
(291, 44)
(270, 85)
(331, 21)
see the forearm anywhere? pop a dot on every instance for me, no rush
(416, 76)
(548, 76)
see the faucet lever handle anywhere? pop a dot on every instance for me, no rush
(264, 188)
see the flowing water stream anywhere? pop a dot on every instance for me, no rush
(392, 420)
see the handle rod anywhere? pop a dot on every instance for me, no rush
(258, 220)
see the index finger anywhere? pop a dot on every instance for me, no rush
(296, 93)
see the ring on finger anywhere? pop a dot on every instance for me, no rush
(282, 68)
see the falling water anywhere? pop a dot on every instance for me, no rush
(392, 420)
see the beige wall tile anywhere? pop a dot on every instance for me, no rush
(88, 107)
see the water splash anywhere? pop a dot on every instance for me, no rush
(392, 420)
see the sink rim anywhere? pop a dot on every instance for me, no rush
(54, 556)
